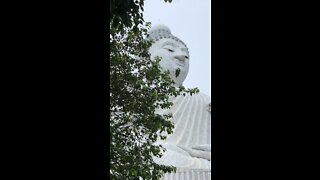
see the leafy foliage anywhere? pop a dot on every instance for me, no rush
(137, 89)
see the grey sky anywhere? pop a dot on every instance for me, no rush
(189, 20)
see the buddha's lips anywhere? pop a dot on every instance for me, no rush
(180, 64)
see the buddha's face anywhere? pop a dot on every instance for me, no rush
(174, 55)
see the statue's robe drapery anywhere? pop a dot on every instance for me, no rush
(192, 121)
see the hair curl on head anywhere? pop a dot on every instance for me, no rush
(160, 32)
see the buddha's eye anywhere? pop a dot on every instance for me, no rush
(169, 48)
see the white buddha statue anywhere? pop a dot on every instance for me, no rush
(189, 146)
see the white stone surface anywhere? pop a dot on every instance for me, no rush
(189, 147)
(192, 130)
(189, 174)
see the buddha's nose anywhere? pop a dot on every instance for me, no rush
(181, 56)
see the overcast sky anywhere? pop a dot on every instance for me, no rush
(189, 20)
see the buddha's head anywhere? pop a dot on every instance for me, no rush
(173, 52)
